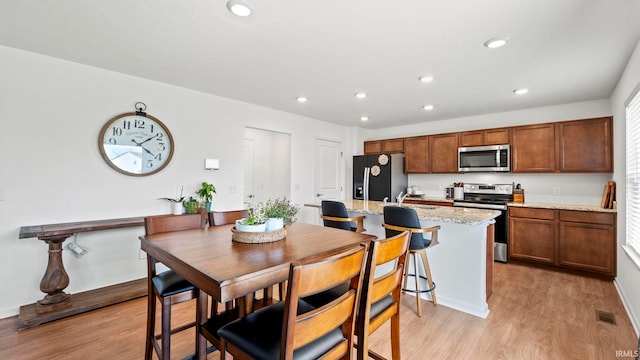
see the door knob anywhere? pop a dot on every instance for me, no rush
(319, 194)
(250, 196)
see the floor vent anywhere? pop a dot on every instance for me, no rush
(605, 317)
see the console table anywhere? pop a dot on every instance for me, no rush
(57, 304)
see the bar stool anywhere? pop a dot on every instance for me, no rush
(334, 214)
(398, 219)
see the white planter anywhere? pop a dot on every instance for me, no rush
(274, 224)
(176, 208)
(250, 228)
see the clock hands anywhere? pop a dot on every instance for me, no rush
(140, 143)
(144, 148)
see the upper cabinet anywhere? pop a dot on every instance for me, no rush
(373, 147)
(585, 145)
(388, 146)
(576, 146)
(498, 136)
(416, 154)
(533, 148)
(443, 152)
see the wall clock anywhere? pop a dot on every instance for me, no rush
(136, 143)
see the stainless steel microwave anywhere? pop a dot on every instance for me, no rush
(484, 158)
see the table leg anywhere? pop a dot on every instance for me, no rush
(55, 278)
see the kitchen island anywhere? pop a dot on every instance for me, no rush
(461, 264)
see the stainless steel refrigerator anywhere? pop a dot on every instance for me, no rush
(378, 176)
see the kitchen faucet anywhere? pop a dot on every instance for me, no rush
(384, 201)
(400, 198)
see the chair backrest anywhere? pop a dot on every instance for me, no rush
(381, 289)
(167, 223)
(302, 325)
(335, 209)
(217, 218)
(407, 218)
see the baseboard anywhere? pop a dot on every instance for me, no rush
(635, 322)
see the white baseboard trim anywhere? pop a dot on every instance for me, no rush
(635, 322)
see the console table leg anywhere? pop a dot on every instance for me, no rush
(55, 278)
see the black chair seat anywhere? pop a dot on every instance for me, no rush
(406, 217)
(169, 283)
(259, 334)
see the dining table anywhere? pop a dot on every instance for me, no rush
(226, 270)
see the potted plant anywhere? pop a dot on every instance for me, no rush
(279, 212)
(191, 206)
(205, 193)
(255, 222)
(176, 203)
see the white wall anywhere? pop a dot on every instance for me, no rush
(628, 280)
(51, 171)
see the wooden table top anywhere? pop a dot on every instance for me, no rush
(226, 270)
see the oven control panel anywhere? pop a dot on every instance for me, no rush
(501, 189)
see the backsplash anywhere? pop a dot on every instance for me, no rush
(582, 189)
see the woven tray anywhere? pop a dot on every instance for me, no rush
(258, 237)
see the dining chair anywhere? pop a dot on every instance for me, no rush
(296, 329)
(168, 287)
(380, 300)
(398, 219)
(218, 218)
(335, 215)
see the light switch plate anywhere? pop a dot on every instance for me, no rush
(212, 164)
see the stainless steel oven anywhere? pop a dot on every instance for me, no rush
(494, 197)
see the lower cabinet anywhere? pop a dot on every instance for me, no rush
(579, 240)
(409, 200)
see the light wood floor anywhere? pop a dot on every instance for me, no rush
(535, 314)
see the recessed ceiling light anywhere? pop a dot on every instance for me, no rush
(301, 99)
(520, 91)
(364, 118)
(426, 78)
(495, 43)
(428, 107)
(239, 8)
(360, 95)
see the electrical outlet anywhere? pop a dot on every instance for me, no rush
(76, 249)
(556, 190)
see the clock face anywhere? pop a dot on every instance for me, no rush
(136, 144)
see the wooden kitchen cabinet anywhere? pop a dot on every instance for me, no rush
(386, 146)
(587, 241)
(569, 239)
(533, 148)
(443, 153)
(498, 136)
(532, 234)
(416, 155)
(586, 145)
(373, 147)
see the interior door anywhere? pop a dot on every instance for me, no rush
(249, 171)
(328, 175)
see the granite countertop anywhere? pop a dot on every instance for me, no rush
(554, 206)
(425, 212)
(539, 205)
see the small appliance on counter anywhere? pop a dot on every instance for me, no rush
(415, 191)
(518, 194)
(458, 191)
(448, 194)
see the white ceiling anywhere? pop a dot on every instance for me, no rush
(564, 51)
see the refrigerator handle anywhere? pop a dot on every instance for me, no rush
(366, 183)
